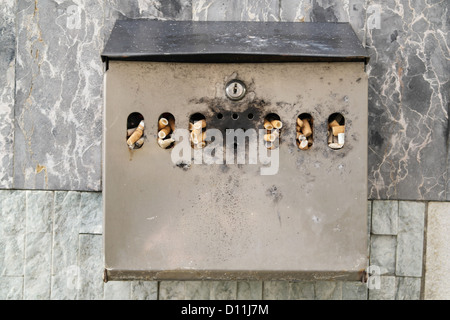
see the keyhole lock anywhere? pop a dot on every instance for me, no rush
(235, 90)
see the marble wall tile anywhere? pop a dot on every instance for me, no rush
(408, 99)
(58, 110)
(249, 290)
(39, 211)
(144, 290)
(91, 214)
(407, 288)
(12, 232)
(172, 290)
(223, 290)
(235, 10)
(328, 290)
(382, 253)
(197, 290)
(37, 271)
(354, 290)
(91, 267)
(386, 291)
(410, 244)
(117, 290)
(276, 290)
(303, 290)
(11, 288)
(437, 260)
(7, 89)
(385, 217)
(65, 270)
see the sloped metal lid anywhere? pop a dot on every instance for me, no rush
(213, 41)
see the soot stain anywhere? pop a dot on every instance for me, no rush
(274, 193)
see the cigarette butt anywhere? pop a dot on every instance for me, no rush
(267, 125)
(304, 145)
(136, 135)
(341, 138)
(306, 130)
(335, 146)
(164, 132)
(203, 136)
(197, 132)
(162, 123)
(301, 138)
(299, 123)
(330, 137)
(277, 124)
(130, 132)
(270, 137)
(191, 126)
(298, 135)
(201, 144)
(172, 123)
(139, 143)
(333, 123)
(165, 143)
(200, 124)
(337, 130)
(194, 137)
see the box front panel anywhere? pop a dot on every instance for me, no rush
(166, 218)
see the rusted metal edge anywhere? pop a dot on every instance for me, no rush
(146, 275)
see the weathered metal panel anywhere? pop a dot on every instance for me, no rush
(227, 221)
(219, 41)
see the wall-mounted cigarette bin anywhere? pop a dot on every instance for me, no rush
(234, 150)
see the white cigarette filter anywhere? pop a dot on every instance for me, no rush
(277, 124)
(136, 135)
(301, 138)
(164, 132)
(330, 137)
(162, 123)
(139, 143)
(200, 124)
(269, 144)
(130, 132)
(304, 145)
(335, 145)
(267, 125)
(270, 137)
(203, 136)
(165, 143)
(194, 136)
(201, 144)
(341, 138)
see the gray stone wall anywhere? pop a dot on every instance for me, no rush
(51, 82)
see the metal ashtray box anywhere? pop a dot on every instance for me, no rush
(251, 158)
